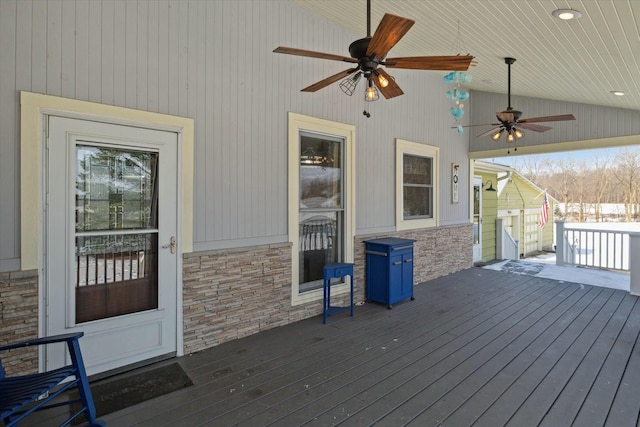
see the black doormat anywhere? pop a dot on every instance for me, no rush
(112, 395)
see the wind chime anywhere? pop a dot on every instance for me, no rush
(457, 93)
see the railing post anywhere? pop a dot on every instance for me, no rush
(634, 263)
(499, 238)
(560, 250)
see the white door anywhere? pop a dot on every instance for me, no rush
(477, 219)
(110, 245)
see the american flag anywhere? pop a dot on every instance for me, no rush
(544, 211)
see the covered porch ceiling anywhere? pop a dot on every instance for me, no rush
(581, 60)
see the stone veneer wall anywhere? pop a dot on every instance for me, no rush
(229, 294)
(19, 319)
(436, 252)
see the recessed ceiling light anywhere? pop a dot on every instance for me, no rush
(566, 14)
(618, 92)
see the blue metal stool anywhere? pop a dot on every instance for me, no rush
(336, 269)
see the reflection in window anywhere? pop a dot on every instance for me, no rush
(116, 237)
(320, 207)
(113, 189)
(417, 187)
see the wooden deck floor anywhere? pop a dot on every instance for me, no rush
(479, 347)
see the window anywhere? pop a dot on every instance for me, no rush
(321, 208)
(321, 202)
(416, 185)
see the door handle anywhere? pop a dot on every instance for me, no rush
(171, 245)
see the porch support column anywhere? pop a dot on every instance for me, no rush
(499, 238)
(634, 263)
(560, 242)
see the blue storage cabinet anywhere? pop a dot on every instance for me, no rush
(389, 270)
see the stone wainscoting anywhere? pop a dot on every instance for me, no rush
(436, 252)
(229, 294)
(19, 319)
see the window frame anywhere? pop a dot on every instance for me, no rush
(419, 150)
(300, 123)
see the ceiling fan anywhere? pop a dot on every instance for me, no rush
(369, 54)
(510, 122)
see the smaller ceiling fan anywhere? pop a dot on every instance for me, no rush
(510, 123)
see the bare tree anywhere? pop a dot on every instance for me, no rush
(598, 179)
(627, 174)
(562, 182)
(534, 168)
(581, 191)
(589, 184)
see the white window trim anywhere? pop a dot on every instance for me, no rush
(413, 148)
(297, 123)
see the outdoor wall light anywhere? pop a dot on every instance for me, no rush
(490, 184)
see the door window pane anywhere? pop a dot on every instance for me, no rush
(115, 263)
(476, 214)
(114, 189)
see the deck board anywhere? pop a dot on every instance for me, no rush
(478, 346)
(490, 378)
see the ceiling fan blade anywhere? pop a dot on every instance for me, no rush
(389, 32)
(533, 127)
(326, 82)
(392, 90)
(559, 118)
(445, 63)
(313, 54)
(489, 132)
(472, 126)
(504, 116)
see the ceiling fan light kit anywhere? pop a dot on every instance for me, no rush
(371, 94)
(349, 84)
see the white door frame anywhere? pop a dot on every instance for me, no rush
(34, 109)
(477, 249)
(112, 342)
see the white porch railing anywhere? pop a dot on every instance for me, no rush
(590, 246)
(506, 246)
